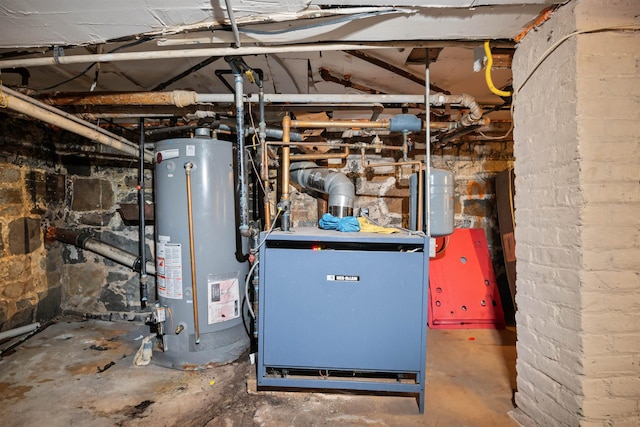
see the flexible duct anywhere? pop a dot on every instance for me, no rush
(340, 189)
(84, 240)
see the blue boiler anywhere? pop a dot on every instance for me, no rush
(343, 311)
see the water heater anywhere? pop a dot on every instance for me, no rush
(204, 328)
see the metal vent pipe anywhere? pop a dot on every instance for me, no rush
(340, 189)
(84, 240)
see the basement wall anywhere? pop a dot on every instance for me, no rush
(578, 231)
(48, 181)
(57, 179)
(385, 191)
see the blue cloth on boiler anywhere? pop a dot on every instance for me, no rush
(345, 224)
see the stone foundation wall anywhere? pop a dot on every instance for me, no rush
(47, 181)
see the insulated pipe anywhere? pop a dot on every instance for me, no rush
(66, 115)
(36, 109)
(31, 110)
(183, 98)
(19, 331)
(340, 189)
(194, 286)
(84, 240)
(475, 110)
(192, 53)
(186, 98)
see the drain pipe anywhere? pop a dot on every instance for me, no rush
(84, 240)
(239, 67)
(340, 189)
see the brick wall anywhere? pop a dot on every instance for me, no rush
(608, 83)
(577, 155)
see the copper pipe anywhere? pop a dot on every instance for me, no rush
(332, 145)
(420, 184)
(284, 157)
(194, 287)
(264, 176)
(322, 156)
(340, 124)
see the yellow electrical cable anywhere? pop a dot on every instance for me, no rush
(487, 73)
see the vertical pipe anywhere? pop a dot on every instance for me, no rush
(142, 237)
(285, 163)
(242, 167)
(420, 196)
(264, 160)
(234, 24)
(194, 288)
(427, 158)
(413, 202)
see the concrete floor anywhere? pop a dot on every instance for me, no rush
(54, 379)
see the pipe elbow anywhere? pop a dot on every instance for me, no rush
(341, 194)
(337, 185)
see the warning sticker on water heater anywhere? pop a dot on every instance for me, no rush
(224, 297)
(169, 269)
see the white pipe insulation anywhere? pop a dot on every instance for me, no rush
(19, 331)
(190, 53)
(57, 117)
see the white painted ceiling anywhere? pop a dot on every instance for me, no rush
(32, 28)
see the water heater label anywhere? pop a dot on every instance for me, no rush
(169, 269)
(224, 297)
(342, 278)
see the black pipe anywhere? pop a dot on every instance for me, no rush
(142, 238)
(84, 240)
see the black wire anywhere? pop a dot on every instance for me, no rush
(246, 329)
(86, 70)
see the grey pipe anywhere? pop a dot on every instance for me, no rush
(340, 189)
(268, 132)
(21, 330)
(84, 240)
(413, 201)
(242, 170)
